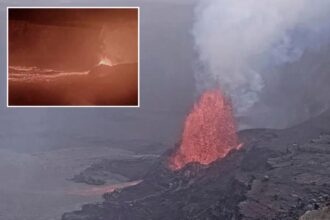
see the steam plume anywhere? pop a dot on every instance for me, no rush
(239, 41)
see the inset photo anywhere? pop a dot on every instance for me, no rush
(73, 57)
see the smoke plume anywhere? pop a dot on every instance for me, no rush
(240, 41)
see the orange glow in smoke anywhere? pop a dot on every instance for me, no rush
(105, 61)
(209, 132)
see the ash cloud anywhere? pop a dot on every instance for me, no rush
(241, 43)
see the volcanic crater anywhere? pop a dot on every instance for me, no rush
(277, 174)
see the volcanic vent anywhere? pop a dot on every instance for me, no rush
(209, 132)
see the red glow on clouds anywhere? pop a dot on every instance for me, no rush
(209, 132)
(105, 61)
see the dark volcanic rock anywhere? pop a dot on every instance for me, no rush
(278, 174)
(121, 170)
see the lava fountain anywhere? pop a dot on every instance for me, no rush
(209, 132)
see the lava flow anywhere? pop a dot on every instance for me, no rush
(100, 190)
(209, 132)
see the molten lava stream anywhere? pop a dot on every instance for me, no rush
(209, 132)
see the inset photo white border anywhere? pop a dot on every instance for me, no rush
(71, 106)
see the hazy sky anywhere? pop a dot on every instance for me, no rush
(167, 89)
(168, 86)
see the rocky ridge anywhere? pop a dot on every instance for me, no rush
(278, 174)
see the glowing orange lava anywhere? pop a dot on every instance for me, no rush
(209, 132)
(105, 61)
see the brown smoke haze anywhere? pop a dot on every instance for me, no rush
(73, 56)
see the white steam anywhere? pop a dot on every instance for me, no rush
(239, 40)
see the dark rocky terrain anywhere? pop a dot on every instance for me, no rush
(122, 170)
(278, 174)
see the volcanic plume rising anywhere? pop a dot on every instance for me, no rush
(209, 132)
